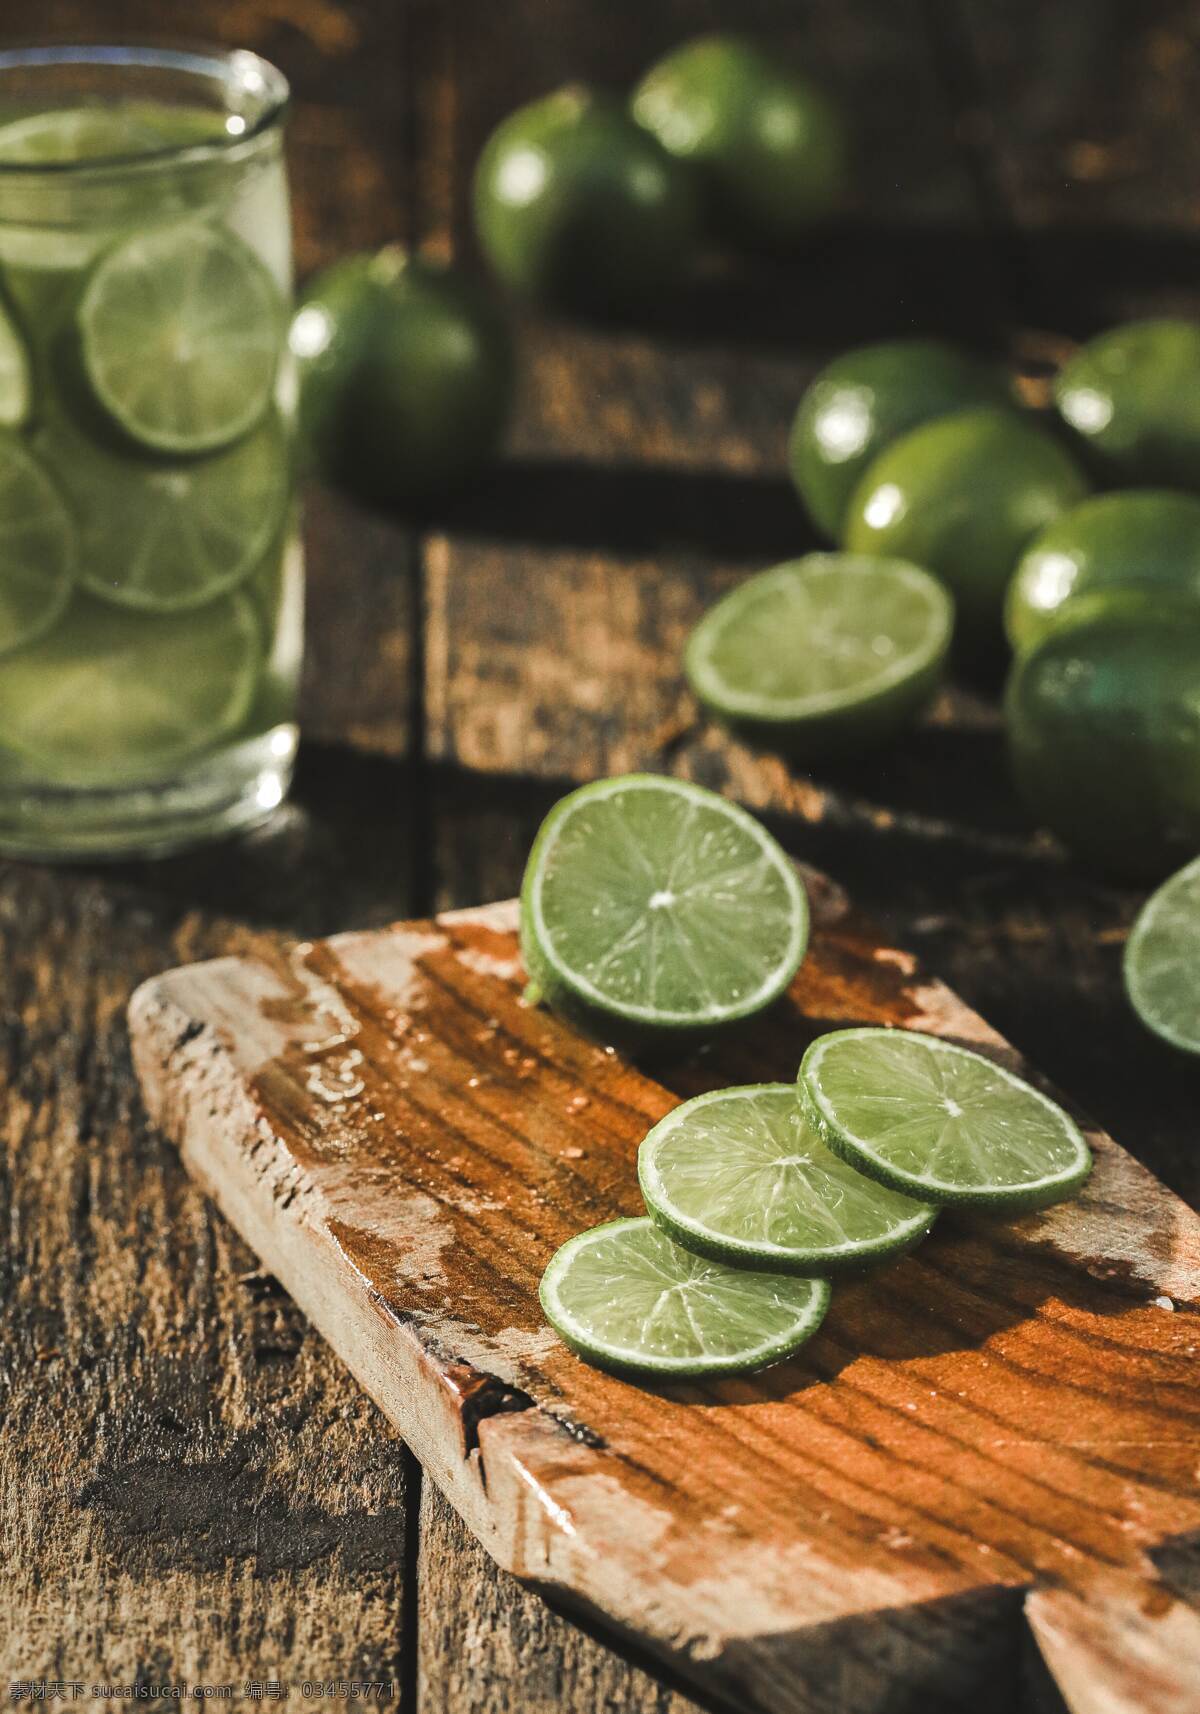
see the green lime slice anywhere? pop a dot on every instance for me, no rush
(625, 1297)
(181, 329)
(1162, 960)
(112, 696)
(38, 548)
(934, 1121)
(165, 538)
(652, 908)
(741, 1176)
(73, 134)
(823, 654)
(16, 376)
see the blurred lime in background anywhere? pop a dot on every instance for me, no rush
(1133, 395)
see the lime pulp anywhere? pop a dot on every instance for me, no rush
(625, 1297)
(1162, 960)
(741, 1176)
(935, 1121)
(38, 547)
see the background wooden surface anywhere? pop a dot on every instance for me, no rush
(190, 1485)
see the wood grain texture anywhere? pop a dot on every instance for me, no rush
(405, 1144)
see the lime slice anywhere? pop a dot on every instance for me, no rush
(181, 329)
(113, 696)
(16, 379)
(652, 909)
(824, 654)
(38, 550)
(164, 538)
(625, 1297)
(1162, 960)
(937, 1122)
(69, 135)
(740, 1175)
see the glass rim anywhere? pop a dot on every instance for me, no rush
(249, 69)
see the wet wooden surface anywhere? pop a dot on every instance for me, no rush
(1030, 165)
(1012, 1408)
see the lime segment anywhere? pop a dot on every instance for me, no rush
(181, 328)
(625, 1297)
(71, 134)
(825, 653)
(38, 548)
(16, 380)
(934, 1121)
(109, 697)
(741, 1176)
(651, 907)
(1162, 960)
(164, 538)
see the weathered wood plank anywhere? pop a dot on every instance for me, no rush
(405, 1143)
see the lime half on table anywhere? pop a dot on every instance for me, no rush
(181, 328)
(38, 547)
(1162, 961)
(167, 537)
(825, 654)
(741, 1176)
(654, 910)
(937, 1122)
(112, 696)
(625, 1297)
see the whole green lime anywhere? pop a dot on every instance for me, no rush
(866, 399)
(1134, 396)
(577, 205)
(1103, 719)
(1138, 538)
(961, 496)
(770, 146)
(406, 374)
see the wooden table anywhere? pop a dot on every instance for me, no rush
(191, 1486)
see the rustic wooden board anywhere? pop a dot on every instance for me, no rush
(1006, 1426)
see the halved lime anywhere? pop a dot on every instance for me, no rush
(67, 135)
(740, 1175)
(935, 1121)
(1162, 960)
(652, 909)
(181, 329)
(16, 378)
(38, 548)
(824, 654)
(112, 696)
(166, 537)
(625, 1297)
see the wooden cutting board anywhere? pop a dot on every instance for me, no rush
(996, 1438)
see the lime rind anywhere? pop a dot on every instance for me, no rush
(709, 873)
(181, 333)
(626, 1298)
(949, 1104)
(838, 634)
(740, 1176)
(16, 373)
(1161, 965)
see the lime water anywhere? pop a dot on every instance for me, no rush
(150, 573)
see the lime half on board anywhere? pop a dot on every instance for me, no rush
(1162, 960)
(740, 1175)
(937, 1122)
(181, 328)
(652, 909)
(112, 696)
(38, 547)
(167, 537)
(823, 655)
(624, 1297)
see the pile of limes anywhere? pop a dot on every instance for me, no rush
(654, 912)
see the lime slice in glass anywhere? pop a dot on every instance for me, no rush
(1162, 960)
(181, 329)
(936, 1122)
(73, 134)
(824, 654)
(653, 909)
(38, 547)
(166, 537)
(111, 696)
(741, 1176)
(625, 1297)
(16, 380)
